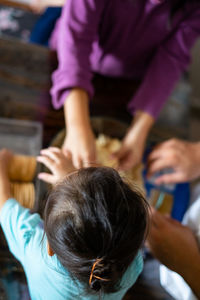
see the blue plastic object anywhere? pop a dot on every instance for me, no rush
(180, 192)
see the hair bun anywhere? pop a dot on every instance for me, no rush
(101, 274)
(95, 284)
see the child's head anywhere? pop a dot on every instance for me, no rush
(95, 224)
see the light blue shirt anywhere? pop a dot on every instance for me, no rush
(47, 278)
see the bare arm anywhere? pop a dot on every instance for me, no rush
(192, 275)
(5, 193)
(133, 144)
(176, 247)
(54, 2)
(79, 139)
(38, 6)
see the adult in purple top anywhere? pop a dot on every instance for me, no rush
(141, 40)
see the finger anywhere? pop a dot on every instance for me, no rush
(155, 154)
(170, 178)
(77, 162)
(158, 165)
(160, 149)
(48, 162)
(54, 156)
(46, 177)
(123, 159)
(87, 164)
(67, 153)
(55, 149)
(169, 143)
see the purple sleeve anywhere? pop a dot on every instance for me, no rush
(170, 60)
(77, 30)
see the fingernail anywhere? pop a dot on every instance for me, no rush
(38, 157)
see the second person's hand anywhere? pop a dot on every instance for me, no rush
(180, 155)
(131, 151)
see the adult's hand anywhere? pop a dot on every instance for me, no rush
(131, 152)
(80, 142)
(183, 157)
(176, 247)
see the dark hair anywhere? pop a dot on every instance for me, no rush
(93, 214)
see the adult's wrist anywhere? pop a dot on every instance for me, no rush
(76, 108)
(141, 124)
(79, 129)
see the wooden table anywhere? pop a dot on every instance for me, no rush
(25, 80)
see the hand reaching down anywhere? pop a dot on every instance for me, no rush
(131, 152)
(80, 142)
(133, 144)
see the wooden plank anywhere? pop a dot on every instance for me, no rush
(25, 81)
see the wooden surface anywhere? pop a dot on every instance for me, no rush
(25, 80)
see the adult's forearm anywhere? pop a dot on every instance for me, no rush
(142, 123)
(55, 2)
(192, 276)
(76, 109)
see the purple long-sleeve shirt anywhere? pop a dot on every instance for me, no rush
(124, 38)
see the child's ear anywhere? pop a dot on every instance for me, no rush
(49, 250)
